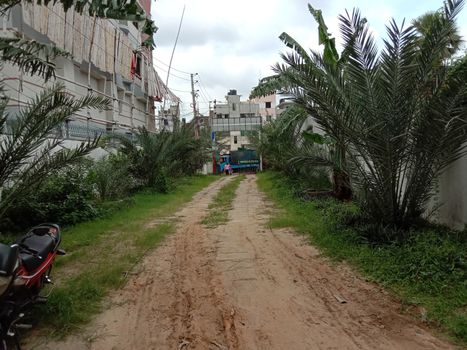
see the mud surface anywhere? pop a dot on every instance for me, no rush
(243, 286)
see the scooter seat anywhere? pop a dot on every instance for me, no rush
(43, 245)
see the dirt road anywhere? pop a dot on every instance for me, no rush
(243, 286)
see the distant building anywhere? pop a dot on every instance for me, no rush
(267, 107)
(233, 120)
(169, 117)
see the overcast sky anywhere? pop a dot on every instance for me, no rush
(232, 44)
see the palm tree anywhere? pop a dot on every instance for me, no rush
(425, 22)
(157, 157)
(28, 151)
(397, 117)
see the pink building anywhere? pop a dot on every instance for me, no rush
(267, 107)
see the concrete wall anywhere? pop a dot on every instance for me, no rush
(451, 196)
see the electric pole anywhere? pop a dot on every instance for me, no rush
(195, 112)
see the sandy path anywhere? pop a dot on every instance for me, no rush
(243, 286)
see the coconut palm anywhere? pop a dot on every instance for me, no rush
(397, 117)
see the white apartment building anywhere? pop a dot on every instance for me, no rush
(233, 120)
(108, 59)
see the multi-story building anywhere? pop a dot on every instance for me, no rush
(232, 121)
(267, 107)
(108, 59)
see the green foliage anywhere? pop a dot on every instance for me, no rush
(302, 155)
(156, 159)
(65, 197)
(428, 269)
(111, 177)
(27, 153)
(222, 203)
(396, 117)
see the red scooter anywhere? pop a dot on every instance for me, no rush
(24, 271)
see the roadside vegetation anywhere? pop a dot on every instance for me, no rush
(427, 270)
(358, 153)
(102, 253)
(108, 206)
(221, 205)
(384, 124)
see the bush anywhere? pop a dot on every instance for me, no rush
(111, 177)
(65, 197)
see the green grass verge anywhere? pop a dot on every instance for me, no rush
(100, 252)
(222, 203)
(429, 270)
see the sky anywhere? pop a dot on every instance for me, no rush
(233, 44)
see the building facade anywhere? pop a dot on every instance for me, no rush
(107, 59)
(267, 107)
(233, 121)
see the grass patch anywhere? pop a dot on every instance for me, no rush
(427, 270)
(222, 203)
(100, 252)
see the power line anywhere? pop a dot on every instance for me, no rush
(180, 90)
(171, 74)
(165, 64)
(202, 87)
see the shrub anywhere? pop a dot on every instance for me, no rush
(65, 197)
(111, 177)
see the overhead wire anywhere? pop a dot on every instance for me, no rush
(171, 74)
(172, 68)
(202, 87)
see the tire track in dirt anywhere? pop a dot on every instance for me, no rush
(244, 286)
(173, 301)
(286, 295)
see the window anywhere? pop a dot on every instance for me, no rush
(233, 106)
(138, 66)
(235, 140)
(268, 104)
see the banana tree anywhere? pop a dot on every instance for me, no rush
(316, 81)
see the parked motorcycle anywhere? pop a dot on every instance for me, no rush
(25, 269)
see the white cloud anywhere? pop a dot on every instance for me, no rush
(231, 44)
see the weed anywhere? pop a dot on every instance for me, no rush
(222, 203)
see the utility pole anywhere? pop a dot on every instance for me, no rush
(195, 112)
